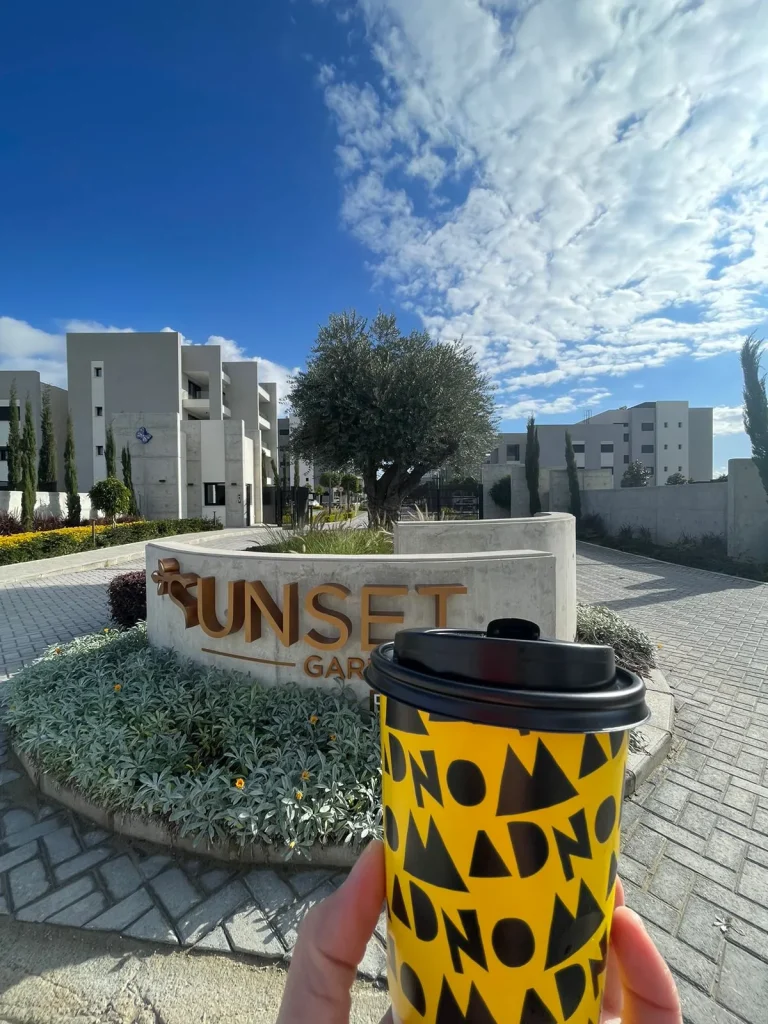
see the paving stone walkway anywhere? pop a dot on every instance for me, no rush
(695, 856)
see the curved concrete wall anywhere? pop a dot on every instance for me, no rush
(554, 532)
(316, 618)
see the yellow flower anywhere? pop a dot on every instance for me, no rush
(332, 737)
(659, 646)
(58, 650)
(240, 783)
(118, 687)
(299, 795)
(313, 719)
(106, 629)
(292, 843)
(304, 775)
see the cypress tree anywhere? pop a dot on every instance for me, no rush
(74, 510)
(29, 475)
(755, 405)
(110, 453)
(532, 465)
(573, 477)
(14, 441)
(46, 473)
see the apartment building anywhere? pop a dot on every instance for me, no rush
(293, 472)
(667, 437)
(202, 431)
(28, 384)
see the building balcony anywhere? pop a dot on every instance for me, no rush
(264, 394)
(264, 423)
(199, 407)
(225, 377)
(265, 451)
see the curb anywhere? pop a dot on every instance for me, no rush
(154, 831)
(655, 737)
(655, 740)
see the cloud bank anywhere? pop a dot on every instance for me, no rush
(577, 188)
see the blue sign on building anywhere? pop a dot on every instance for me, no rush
(143, 435)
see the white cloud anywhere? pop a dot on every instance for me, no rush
(591, 196)
(728, 419)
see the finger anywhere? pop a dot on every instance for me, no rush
(650, 993)
(612, 996)
(331, 944)
(387, 1018)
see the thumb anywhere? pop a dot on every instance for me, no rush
(650, 993)
(331, 944)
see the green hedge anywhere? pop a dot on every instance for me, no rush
(48, 545)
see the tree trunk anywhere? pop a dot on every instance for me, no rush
(387, 492)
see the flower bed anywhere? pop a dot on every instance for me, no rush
(26, 547)
(136, 728)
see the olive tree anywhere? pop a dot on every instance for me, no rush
(390, 407)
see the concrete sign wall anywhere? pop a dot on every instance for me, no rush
(554, 532)
(313, 619)
(668, 511)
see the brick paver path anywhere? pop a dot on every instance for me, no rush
(695, 860)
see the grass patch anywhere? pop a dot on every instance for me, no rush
(634, 649)
(137, 728)
(337, 540)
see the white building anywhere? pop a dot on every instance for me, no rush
(202, 432)
(667, 437)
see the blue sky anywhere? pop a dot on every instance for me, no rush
(577, 189)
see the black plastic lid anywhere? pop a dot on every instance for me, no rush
(509, 677)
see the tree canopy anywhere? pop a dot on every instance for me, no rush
(390, 407)
(677, 479)
(755, 405)
(636, 475)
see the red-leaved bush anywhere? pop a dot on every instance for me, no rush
(127, 596)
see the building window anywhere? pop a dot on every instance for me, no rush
(284, 432)
(679, 423)
(650, 470)
(579, 447)
(646, 426)
(97, 371)
(214, 494)
(646, 449)
(666, 469)
(626, 437)
(5, 413)
(3, 454)
(193, 390)
(666, 424)
(99, 410)
(679, 469)
(99, 449)
(513, 453)
(666, 446)
(626, 458)
(606, 447)
(679, 447)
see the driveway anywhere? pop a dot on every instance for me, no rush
(695, 860)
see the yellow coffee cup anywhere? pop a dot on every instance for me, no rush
(503, 761)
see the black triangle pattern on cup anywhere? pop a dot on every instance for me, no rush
(522, 791)
(617, 742)
(535, 1010)
(430, 861)
(398, 904)
(593, 756)
(397, 757)
(449, 1011)
(612, 872)
(487, 862)
(424, 914)
(569, 932)
(596, 967)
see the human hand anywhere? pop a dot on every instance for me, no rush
(639, 987)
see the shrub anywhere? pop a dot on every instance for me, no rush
(592, 527)
(625, 534)
(597, 625)
(343, 540)
(137, 728)
(127, 597)
(9, 524)
(111, 496)
(501, 493)
(26, 547)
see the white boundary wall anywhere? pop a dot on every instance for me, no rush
(521, 584)
(54, 502)
(554, 532)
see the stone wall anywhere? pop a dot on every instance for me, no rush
(554, 532)
(46, 502)
(327, 610)
(589, 480)
(668, 512)
(747, 512)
